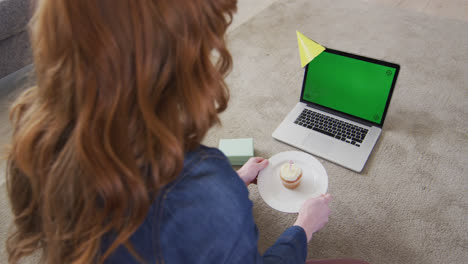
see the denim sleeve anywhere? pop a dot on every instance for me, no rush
(208, 218)
(291, 247)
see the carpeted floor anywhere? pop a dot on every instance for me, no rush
(409, 205)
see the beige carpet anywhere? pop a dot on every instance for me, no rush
(410, 203)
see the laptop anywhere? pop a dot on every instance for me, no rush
(342, 108)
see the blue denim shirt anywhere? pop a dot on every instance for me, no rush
(205, 216)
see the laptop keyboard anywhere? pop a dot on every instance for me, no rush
(332, 127)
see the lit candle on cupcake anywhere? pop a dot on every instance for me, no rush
(291, 175)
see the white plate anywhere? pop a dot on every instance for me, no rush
(314, 181)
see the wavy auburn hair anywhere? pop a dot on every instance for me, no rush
(124, 89)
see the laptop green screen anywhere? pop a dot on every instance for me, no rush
(349, 85)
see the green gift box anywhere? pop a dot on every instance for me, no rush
(238, 151)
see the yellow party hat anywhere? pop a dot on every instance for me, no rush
(308, 49)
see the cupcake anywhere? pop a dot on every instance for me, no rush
(290, 175)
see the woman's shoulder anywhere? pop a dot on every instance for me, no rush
(203, 155)
(207, 199)
(206, 172)
(203, 212)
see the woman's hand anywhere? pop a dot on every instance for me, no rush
(313, 214)
(249, 172)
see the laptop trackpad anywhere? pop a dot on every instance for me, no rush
(318, 144)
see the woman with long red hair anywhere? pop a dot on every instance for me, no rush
(106, 164)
